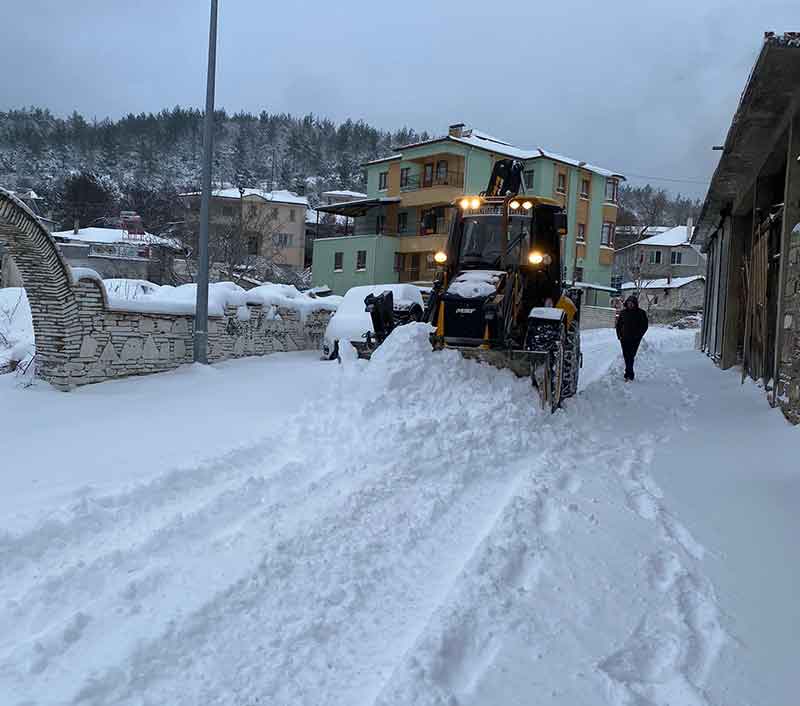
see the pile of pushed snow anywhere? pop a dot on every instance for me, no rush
(475, 283)
(143, 296)
(16, 327)
(666, 339)
(447, 403)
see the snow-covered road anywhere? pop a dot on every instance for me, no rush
(411, 530)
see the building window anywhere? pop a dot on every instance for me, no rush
(380, 223)
(578, 274)
(227, 211)
(275, 213)
(581, 232)
(427, 174)
(616, 281)
(585, 186)
(562, 184)
(655, 257)
(398, 261)
(282, 240)
(675, 257)
(413, 267)
(361, 260)
(252, 210)
(405, 173)
(382, 178)
(402, 222)
(607, 236)
(292, 215)
(252, 245)
(441, 171)
(528, 175)
(338, 261)
(612, 190)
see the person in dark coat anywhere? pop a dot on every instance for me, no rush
(631, 326)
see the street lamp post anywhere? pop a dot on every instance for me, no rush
(201, 310)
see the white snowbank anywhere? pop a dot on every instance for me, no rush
(16, 327)
(351, 320)
(146, 297)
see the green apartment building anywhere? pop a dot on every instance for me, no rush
(406, 216)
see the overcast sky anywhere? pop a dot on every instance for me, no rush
(642, 87)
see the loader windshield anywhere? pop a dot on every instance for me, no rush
(482, 241)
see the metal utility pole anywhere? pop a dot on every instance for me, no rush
(201, 310)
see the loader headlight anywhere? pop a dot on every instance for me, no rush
(536, 258)
(514, 204)
(465, 204)
(527, 205)
(475, 203)
(440, 257)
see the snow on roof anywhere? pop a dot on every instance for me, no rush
(484, 141)
(384, 159)
(277, 195)
(663, 283)
(112, 235)
(668, 238)
(345, 192)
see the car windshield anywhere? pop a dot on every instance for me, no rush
(482, 240)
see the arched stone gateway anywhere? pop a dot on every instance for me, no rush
(46, 276)
(82, 337)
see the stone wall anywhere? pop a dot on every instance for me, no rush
(597, 317)
(81, 339)
(116, 343)
(788, 384)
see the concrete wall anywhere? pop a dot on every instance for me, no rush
(380, 251)
(597, 317)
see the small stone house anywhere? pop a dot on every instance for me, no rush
(666, 254)
(665, 299)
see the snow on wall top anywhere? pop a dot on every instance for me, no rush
(662, 283)
(111, 235)
(145, 297)
(345, 192)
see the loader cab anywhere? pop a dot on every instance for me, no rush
(505, 234)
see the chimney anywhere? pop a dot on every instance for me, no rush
(456, 130)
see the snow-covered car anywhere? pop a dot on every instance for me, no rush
(351, 322)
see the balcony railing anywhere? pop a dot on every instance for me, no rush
(418, 181)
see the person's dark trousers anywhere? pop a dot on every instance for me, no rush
(629, 349)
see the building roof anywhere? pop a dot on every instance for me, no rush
(484, 141)
(773, 84)
(112, 235)
(276, 195)
(383, 159)
(345, 192)
(359, 207)
(662, 283)
(668, 238)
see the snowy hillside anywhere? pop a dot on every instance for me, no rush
(409, 530)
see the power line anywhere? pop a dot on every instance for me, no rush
(678, 180)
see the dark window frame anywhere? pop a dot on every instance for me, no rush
(338, 262)
(383, 180)
(361, 260)
(561, 189)
(587, 183)
(405, 176)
